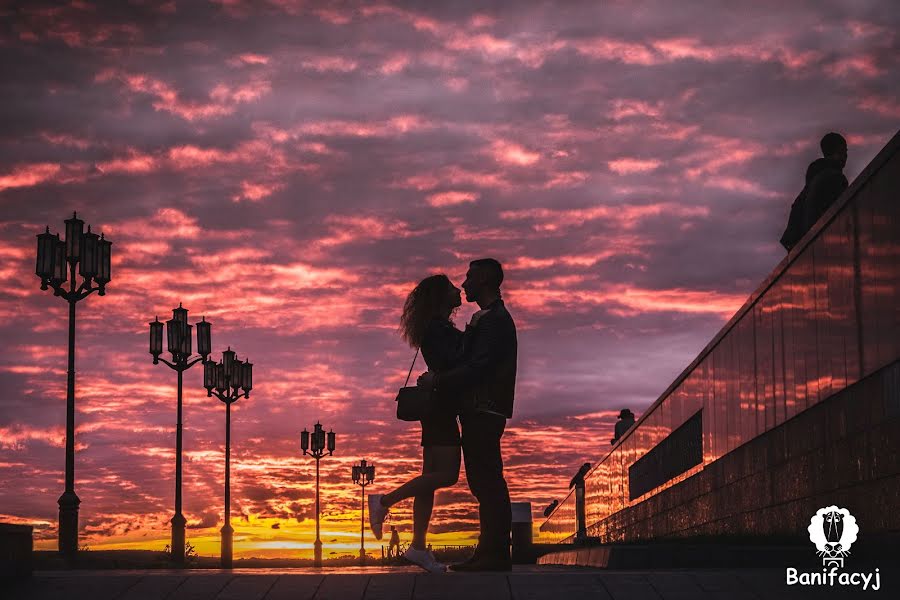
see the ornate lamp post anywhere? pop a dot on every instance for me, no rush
(317, 452)
(179, 337)
(228, 380)
(56, 262)
(363, 475)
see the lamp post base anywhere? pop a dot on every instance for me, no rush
(317, 548)
(68, 524)
(362, 557)
(178, 523)
(227, 545)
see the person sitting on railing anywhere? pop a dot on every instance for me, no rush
(626, 420)
(825, 181)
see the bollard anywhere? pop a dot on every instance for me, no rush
(15, 551)
(522, 533)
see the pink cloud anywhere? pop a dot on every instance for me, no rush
(602, 48)
(133, 163)
(623, 108)
(863, 66)
(226, 97)
(250, 58)
(325, 64)
(256, 191)
(513, 154)
(28, 175)
(627, 166)
(626, 217)
(451, 198)
(880, 105)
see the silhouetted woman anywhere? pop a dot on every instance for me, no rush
(426, 325)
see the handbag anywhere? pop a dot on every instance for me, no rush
(413, 402)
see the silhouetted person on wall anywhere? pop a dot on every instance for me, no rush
(485, 379)
(825, 181)
(626, 420)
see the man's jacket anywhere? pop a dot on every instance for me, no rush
(486, 376)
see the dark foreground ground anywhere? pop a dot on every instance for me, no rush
(408, 583)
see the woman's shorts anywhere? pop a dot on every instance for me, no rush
(440, 430)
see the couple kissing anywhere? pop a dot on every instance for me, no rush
(471, 376)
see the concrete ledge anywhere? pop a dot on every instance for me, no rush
(680, 556)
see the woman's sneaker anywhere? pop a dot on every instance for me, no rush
(377, 513)
(424, 559)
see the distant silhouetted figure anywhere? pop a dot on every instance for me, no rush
(550, 508)
(394, 546)
(626, 420)
(825, 181)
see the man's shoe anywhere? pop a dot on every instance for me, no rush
(483, 563)
(424, 559)
(377, 513)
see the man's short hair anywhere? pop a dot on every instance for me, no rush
(493, 269)
(832, 143)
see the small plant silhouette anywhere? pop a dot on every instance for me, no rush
(190, 553)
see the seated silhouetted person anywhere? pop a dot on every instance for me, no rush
(825, 181)
(626, 420)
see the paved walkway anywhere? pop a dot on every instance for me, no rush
(524, 583)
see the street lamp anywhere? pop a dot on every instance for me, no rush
(56, 261)
(317, 451)
(178, 334)
(228, 380)
(363, 474)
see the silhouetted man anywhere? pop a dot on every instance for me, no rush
(825, 181)
(626, 420)
(394, 544)
(486, 379)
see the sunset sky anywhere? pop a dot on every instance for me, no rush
(290, 170)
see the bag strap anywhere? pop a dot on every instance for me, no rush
(411, 367)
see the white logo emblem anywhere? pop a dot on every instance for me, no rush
(833, 530)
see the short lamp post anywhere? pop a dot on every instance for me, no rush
(228, 380)
(178, 334)
(363, 474)
(317, 451)
(56, 262)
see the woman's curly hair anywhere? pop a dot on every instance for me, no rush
(425, 302)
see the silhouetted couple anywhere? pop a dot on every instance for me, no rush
(825, 181)
(472, 376)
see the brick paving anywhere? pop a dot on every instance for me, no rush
(524, 583)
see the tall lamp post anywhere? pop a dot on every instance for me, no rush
(317, 451)
(228, 380)
(363, 475)
(56, 262)
(178, 333)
